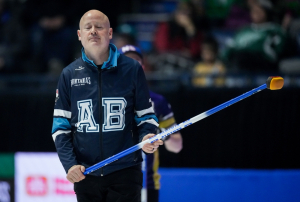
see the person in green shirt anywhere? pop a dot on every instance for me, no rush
(259, 46)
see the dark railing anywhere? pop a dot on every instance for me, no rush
(157, 81)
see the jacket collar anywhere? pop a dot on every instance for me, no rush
(112, 60)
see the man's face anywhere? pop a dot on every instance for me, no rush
(94, 32)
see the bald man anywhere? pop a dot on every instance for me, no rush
(102, 107)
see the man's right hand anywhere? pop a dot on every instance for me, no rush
(75, 173)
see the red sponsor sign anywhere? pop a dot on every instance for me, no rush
(63, 187)
(36, 185)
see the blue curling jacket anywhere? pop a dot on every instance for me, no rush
(99, 113)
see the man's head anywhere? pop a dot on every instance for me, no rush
(94, 31)
(132, 52)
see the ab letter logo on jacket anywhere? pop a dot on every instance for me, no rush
(114, 115)
(86, 117)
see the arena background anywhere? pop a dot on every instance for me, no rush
(246, 152)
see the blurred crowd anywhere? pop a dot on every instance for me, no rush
(207, 38)
(40, 36)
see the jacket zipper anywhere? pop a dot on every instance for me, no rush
(100, 118)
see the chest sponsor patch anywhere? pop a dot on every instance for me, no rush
(81, 82)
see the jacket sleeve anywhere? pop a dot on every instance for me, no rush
(145, 118)
(61, 128)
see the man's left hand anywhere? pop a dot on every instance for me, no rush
(151, 147)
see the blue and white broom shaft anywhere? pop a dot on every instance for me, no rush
(172, 130)
(204, 114)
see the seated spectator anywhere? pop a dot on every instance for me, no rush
(13, 41)
(182, 34)
(259, 46)
(51, 24)
(290, 21)
(210, 71)
(289, 16)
